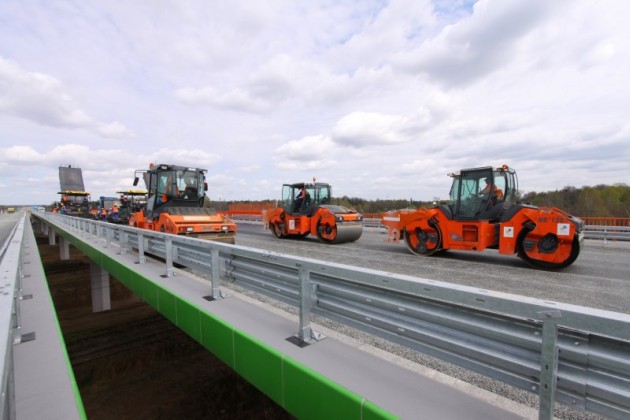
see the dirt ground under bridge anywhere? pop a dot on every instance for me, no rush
(132, 363)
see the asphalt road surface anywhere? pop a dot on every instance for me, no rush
(600, 278)
(7, 223)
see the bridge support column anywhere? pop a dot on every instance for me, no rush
(51, 237)
(64, 248)
(99, 284)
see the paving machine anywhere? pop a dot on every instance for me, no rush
(107, 209)
(130, 202)
(307, 211)
(483, 214)
(175, 204)
(75, 201)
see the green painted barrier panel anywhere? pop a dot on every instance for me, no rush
(167, 303)
(189, 319)
(310, 395)
(261, 365)
(217, 336)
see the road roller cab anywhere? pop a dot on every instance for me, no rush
(306, 210)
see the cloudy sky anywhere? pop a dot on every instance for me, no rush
(380, 98)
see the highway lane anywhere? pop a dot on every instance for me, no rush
(600, 278)
(7, 223)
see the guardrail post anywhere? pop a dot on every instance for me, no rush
(169, 249)
(215, 273)
(141, 258)
(17, 295)
(306, 335)
(108, 237)
(122, 240)
(548, 363)
(103, 233)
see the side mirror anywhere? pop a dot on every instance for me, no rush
(135, 181)
(205, 186)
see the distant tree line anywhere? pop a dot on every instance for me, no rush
(598, 201)
(378, 206)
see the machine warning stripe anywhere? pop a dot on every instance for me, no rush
(391, 219)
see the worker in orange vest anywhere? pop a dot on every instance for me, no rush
(115, 212)
(103, 213)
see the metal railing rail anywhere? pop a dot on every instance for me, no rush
(576, 355)
(25, 301)
(607, 233)
(10, 275)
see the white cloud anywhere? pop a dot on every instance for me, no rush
(378, 98)
(196, 158)
(478, 45)
(235, 100)
(21, 155)
(249, 169)
(368, 128)
(308, 153)
(43, 99)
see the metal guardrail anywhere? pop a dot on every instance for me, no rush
(607, 233)
(10, 276)
(575, 355)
